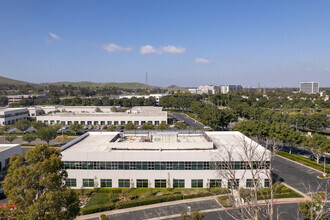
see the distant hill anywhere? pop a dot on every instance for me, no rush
(5, 80)
(126, 85)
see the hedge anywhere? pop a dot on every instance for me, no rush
(96, 208)
(305, 161)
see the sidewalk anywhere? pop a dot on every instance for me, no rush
(138, 208)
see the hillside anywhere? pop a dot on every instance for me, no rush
(125, 85)
(5, 80)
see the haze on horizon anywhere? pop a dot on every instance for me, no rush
(186, 43)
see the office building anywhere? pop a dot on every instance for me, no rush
(11, 115)
(87, 115)
(230, 88)
(162, 159)
(6, 151)
(17, 98)
(309, 87)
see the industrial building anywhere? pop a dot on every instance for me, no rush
(87, 115)
(11, 115)
(6, 151)
(163, 159)
(17, 98)
(309, 87)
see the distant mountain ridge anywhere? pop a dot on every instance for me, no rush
(124, 85)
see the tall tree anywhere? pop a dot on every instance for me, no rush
(47, 134)
(76, 127)
(317, 144)
(10, 137)
(22, 124)
(29, 137)
(35, 185)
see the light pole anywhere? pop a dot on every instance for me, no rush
(324, 174)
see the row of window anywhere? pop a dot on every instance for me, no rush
(169, 165)
(161, 183)
(13, 114)
(52, 122)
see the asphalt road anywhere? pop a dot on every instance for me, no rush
(166, 210)
(190, 122)
(300, 177)
(287, 211)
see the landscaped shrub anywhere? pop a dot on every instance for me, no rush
(305, 161)
(96, 208)
(103, 217)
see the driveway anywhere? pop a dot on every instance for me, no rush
(300, 177)
(189, 121)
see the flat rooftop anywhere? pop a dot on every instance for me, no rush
(4, 147)
(160, 141)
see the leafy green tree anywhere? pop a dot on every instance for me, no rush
(129, 126)
(147, 126)
(10, 137)
(180, 125)
(317, 144)
(76, 127)
(47, 134)
(317, 121)
(35, 185)
(38, 124)
(111, 128)
(3, 101)
(313, 209)
(22, 124)
(163, 126)
(29, 137)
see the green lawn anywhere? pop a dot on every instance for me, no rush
(305, 161)
(104, 199)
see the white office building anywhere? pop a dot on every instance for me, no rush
(6, 151)
(161, 159)
(156, 96)
(86, 115)
(205, 90)
(11, 115)
(309, 87)
(230, 88)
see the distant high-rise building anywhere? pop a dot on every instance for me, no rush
(309, 87)
(230, 88)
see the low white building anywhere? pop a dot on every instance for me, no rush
(205, 90)
(11, 115)
(156, 96)
(162, 159)
(6, 151)
(86, 115)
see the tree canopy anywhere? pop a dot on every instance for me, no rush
(35, 186)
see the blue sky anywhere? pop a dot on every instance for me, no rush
(186, 43)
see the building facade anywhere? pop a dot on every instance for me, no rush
(86, 115)
(11, 115)
(230, 88)
(6, 151)
(309, 87)
(17, 98)
(160, 160)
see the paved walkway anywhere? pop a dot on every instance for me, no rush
(168, 210)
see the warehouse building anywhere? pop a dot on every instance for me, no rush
(6, 151)
(87, 115)
(162, 159)
(11, 115)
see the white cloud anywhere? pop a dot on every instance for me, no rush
(202, 61)
(149, 50)
(115, 47)
(56, 37)
(326, 69)
(173, 49)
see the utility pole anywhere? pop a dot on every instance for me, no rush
(147, 80)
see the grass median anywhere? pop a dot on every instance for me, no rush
(105, 199)
(305, 161)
